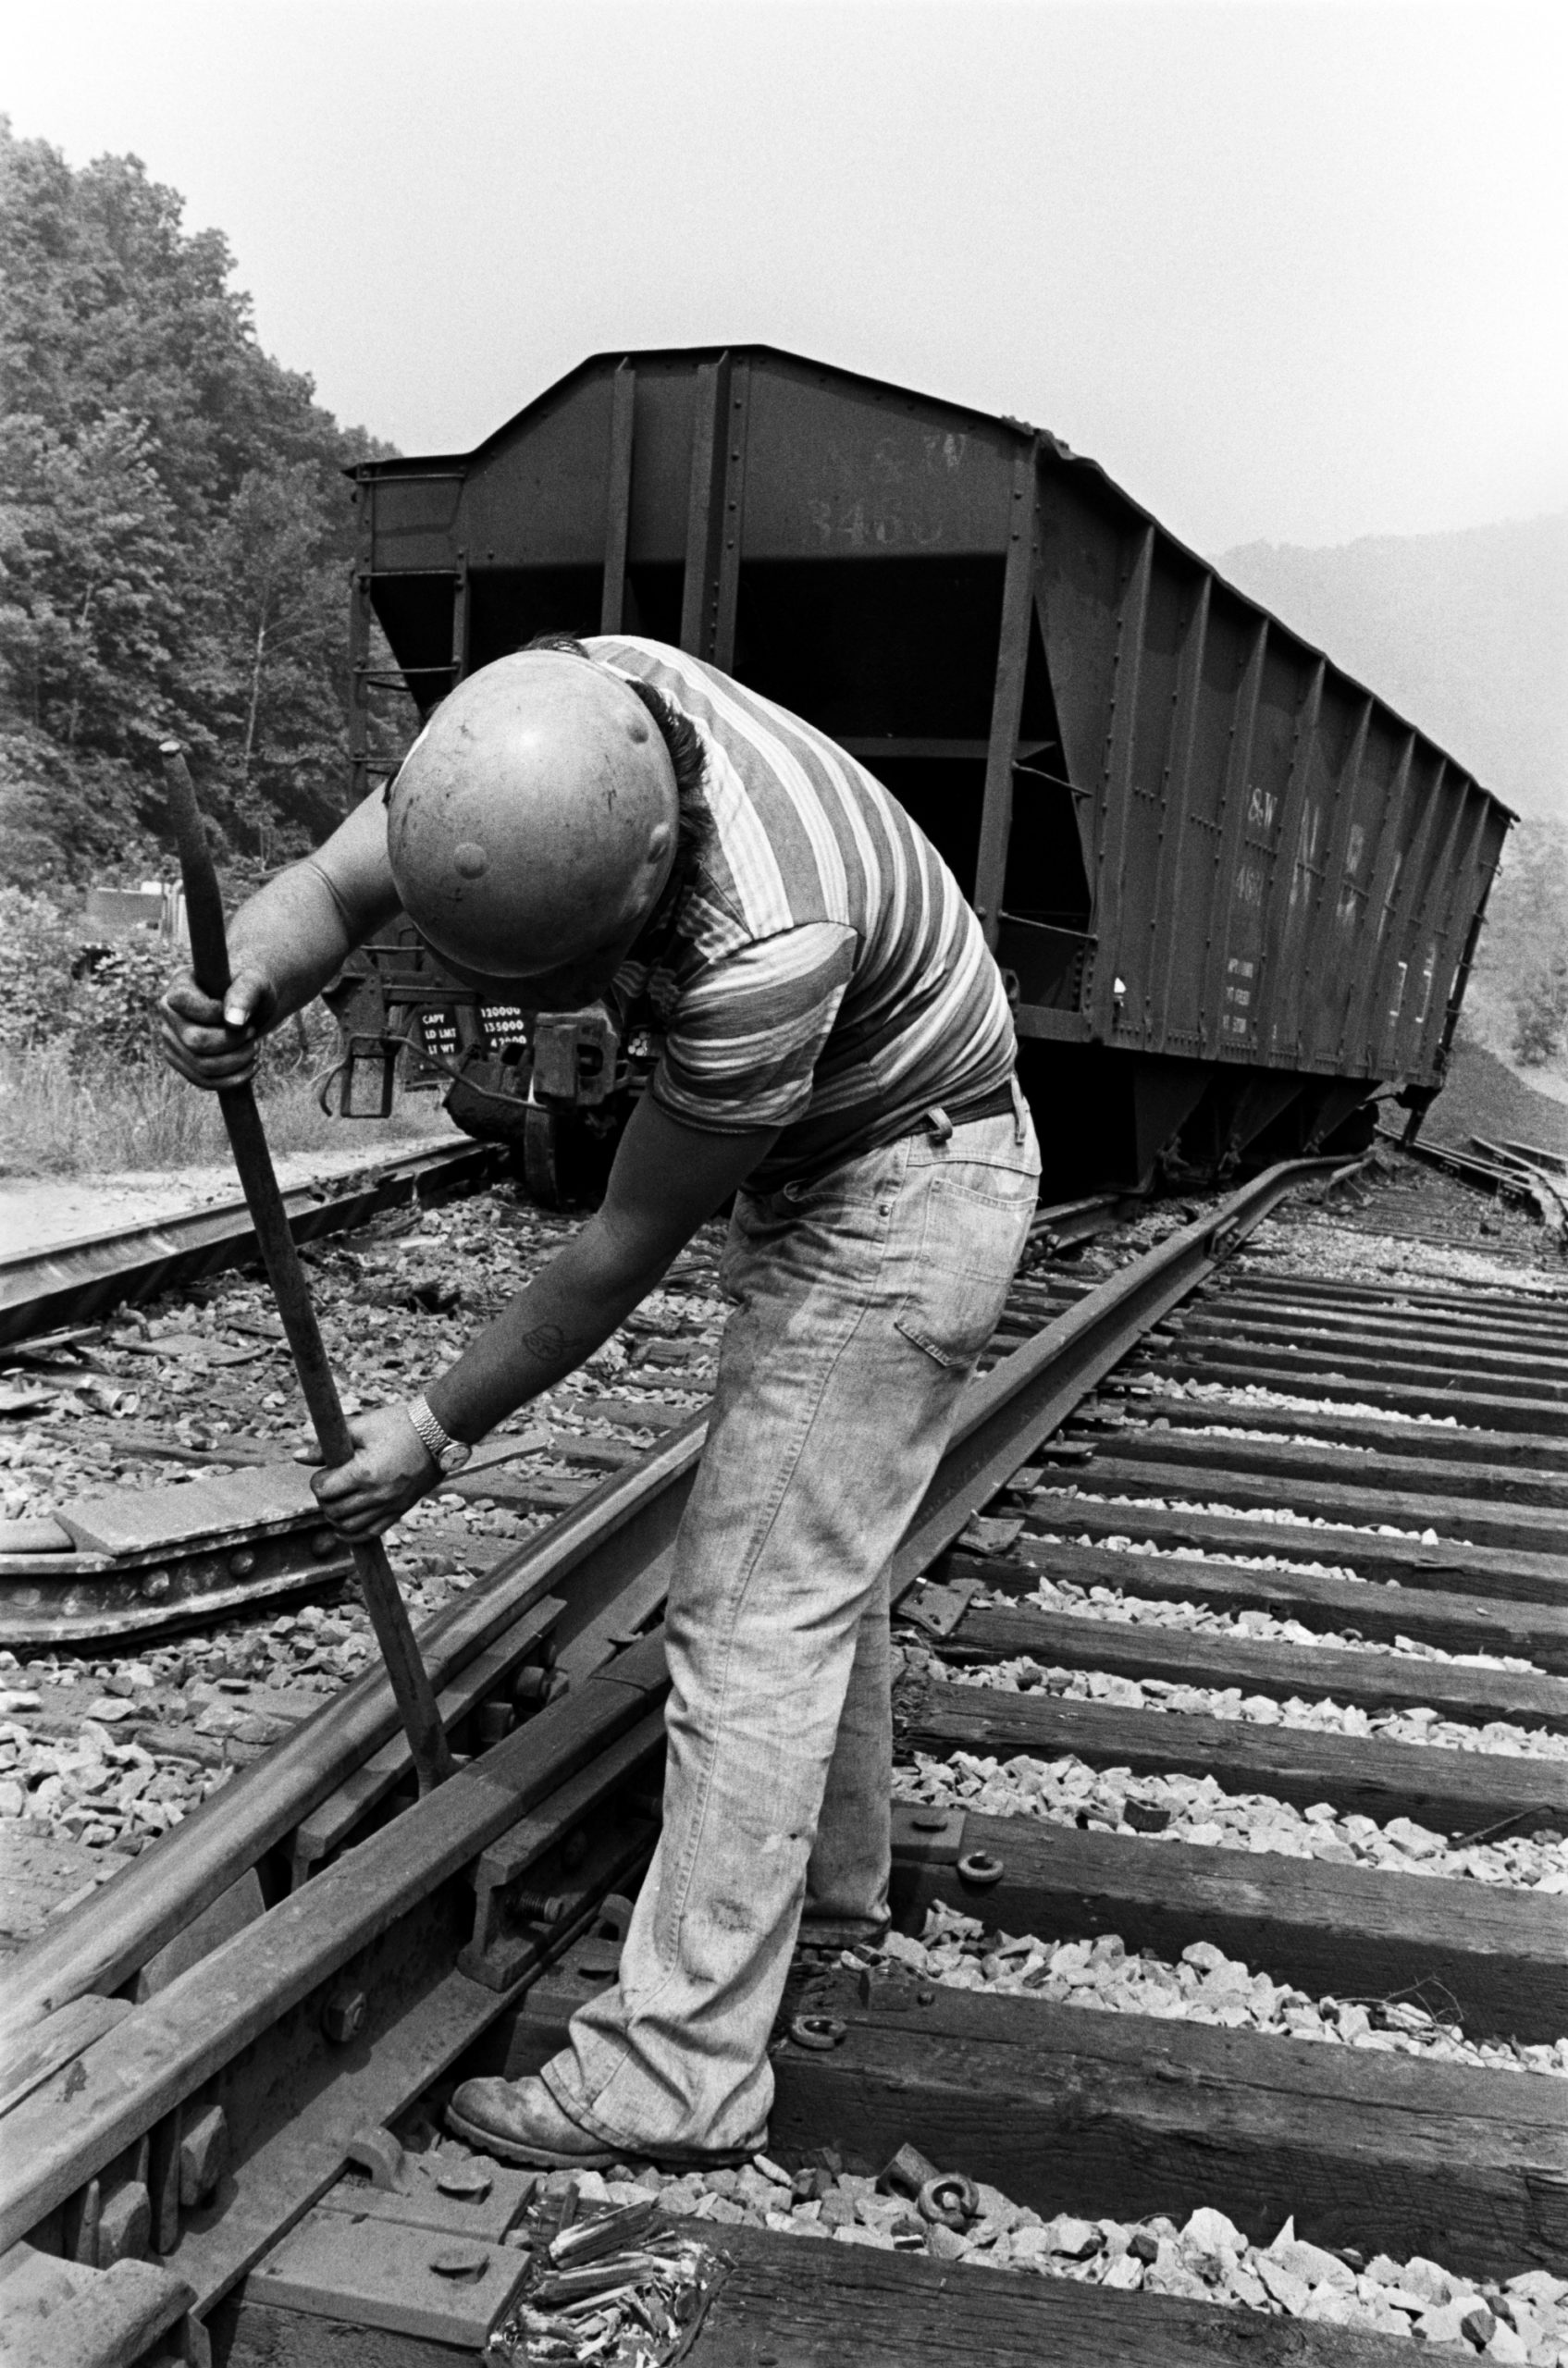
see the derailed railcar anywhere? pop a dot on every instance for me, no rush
(1235, 896)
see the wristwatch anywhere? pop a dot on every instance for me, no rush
(447, 1453)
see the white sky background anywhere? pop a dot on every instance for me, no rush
(1294, 272)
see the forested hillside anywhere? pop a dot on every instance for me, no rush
(175, 533)
(1466, 634)
(1517, 1003)
(174, 536)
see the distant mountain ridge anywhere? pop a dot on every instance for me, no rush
(1466, 634)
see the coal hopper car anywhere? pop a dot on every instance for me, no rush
(1234, 896)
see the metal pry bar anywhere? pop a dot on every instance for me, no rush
(209, 958)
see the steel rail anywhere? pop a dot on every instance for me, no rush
(616, 1534)
(1067, 1224)
(1547, 1184)
(70, 1282)
(1008, 1411)
(54, 1593)
(604, 1546)
(141, 2070)
(166, 2049)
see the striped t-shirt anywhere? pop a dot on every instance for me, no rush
(819, 971)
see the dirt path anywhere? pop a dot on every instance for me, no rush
(39, 1212)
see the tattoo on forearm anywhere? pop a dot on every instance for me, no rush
(546, 1341)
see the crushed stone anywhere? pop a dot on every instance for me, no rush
(1122, 1610)
(103, 1751)
(956, 1951)
(1024, 1674)
(1119, 1544)
(1206, 2258)
(1152, 1383)
(1067, 1791)
(1285, 1516)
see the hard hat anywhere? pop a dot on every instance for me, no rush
(535, 818)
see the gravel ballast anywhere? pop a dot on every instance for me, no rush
(1068, 1791)
(1152, 1383)
(958, 1951)
(1163, 1695)
(1206, 2258)
(1119, 1608)
(1056, 1503)
(101, 1750)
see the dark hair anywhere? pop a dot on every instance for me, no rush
(684, 743)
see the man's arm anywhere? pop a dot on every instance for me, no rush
(666, 1181)
(284, 945)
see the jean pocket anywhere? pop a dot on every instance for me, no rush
(970, 1242)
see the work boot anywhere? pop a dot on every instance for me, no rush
(520, 2122)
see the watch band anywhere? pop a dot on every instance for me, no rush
(438, 1443)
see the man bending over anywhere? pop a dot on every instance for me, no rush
(615, 819)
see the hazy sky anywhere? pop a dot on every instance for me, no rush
(1288, 271)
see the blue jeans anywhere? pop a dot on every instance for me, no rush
(860, 1304)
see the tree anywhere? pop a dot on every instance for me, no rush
(93, 569)
(1540, 1015)
(1524, 945)
(175, 533)
(279, 586)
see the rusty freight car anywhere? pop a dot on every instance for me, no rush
(1235, 896)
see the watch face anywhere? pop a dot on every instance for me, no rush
(456, 1456)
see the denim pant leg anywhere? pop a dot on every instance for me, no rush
(861, 1307)
(847, 1878)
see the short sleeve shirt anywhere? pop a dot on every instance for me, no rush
(818, 970)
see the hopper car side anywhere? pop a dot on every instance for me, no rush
(1235, 896)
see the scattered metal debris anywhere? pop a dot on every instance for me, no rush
(613, 2287)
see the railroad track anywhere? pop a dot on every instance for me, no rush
(115, 1565)
(46, 1291)
(1185, 1507)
